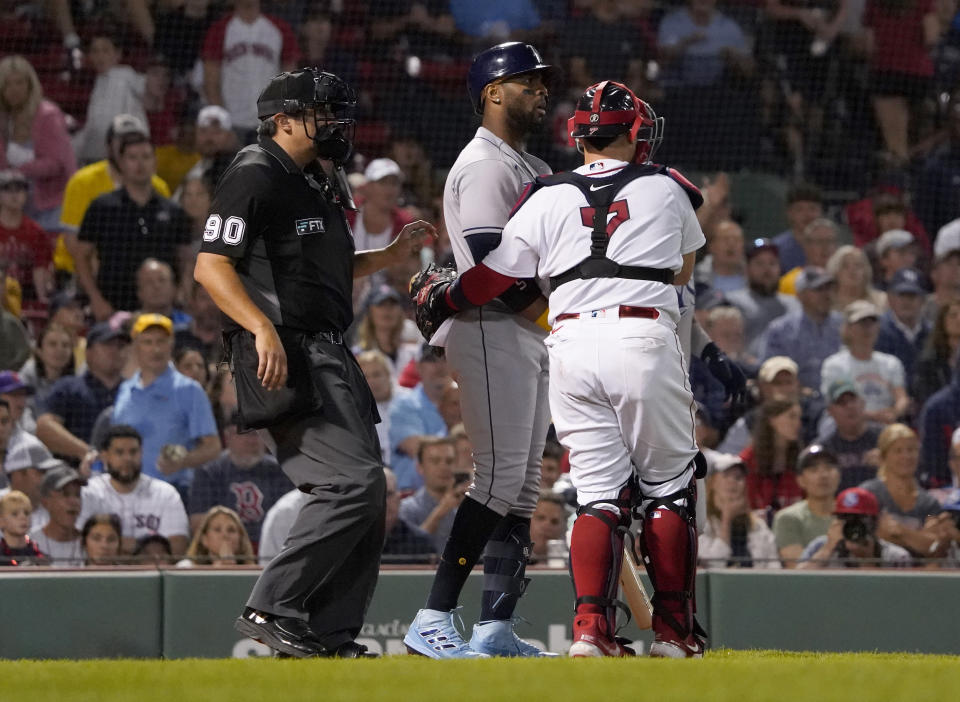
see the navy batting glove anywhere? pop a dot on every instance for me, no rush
(728, 373)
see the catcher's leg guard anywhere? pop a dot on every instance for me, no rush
(668, 542)
(505, 567)
(596, 555)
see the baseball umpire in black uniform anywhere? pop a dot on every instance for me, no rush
(278, 259)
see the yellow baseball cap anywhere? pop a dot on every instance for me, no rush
(145, 321)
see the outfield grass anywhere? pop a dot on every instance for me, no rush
(736, 676)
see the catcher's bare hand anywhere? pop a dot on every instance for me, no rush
(411, 239)
(272, 367)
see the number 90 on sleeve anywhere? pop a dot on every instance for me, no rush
(231, 229)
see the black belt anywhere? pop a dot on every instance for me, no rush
(331, 337)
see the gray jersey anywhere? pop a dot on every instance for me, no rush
(482, 187)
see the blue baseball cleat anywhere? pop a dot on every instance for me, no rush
(497, 638)
(434, 634)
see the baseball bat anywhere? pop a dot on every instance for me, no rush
(633, 591)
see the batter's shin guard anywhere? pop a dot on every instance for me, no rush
(596, 556)
(505, 567)
(668, 542)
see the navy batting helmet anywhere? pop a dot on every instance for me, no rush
(508, 59)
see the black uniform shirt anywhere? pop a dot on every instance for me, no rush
(293, 247)
(125, 234)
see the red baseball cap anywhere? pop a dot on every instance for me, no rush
(856, 500)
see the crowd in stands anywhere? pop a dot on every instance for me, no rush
(839, 300)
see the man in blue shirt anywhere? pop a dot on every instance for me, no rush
(170, 410)
(811, 334)
(804, 204)
(903, 330)
(68, 412)
(417, 415)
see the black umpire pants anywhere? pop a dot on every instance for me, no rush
(328, 568)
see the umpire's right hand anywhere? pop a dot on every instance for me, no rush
(272, 366)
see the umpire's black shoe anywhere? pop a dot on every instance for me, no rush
(351, 649)
(284, 634)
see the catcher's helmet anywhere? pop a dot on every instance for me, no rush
(609, 109)
(294, 92)
(508, 59)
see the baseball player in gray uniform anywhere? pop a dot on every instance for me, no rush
(498, 354)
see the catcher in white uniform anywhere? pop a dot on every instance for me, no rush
(609, 241)
(501, 365)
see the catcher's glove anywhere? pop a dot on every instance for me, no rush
(428, 290)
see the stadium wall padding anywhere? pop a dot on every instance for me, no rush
(189, 613)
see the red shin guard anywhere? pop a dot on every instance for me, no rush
(591, 560)
(669, 548)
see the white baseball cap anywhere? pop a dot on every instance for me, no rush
(214, 116)
(380, 168)
(27, 451)
(948, 239)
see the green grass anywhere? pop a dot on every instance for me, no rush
(737, 676)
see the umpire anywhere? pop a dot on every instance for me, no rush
(278, 259)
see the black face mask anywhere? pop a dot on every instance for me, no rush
(332, 137)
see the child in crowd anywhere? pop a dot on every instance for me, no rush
(16, 546)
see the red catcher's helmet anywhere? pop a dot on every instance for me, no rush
(857, 500)
(609, 109)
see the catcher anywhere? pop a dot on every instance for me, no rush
(609, 241)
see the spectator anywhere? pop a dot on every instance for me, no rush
(383, 328)
(431, 509)
(220, 540)
(380, 217)
(733, 536)
(621, 56)
(157, 292)
(190, 363)
(99, 178)
(244, 477)
(896, 250)
(6, 429)
(100, 538)
(899, 38)
(171, 412)
(852, 540)
(421, 28)
(59, 539)
(69, 17)
(819, 242)
(376, 369)
(180, 31)
(497, 20)
(937, 203)
(903, 330)
(68, 412)
(415, 416)
(25, 464)
(938, 358)
(195, 197)
(548, 523)
(851, 270)
(810, 334)
(118, 89)
(761, 302)
(163, 101)
(550, 470)
(946, 283)
(34, 140)
(52, 359)
(772, 457)
(409, 155)
(152, 549)
(240, 53)
(16, 392)
(938, 419)
(145, 505)
(853, 438)
(24, 246)
(905, 504)
(125, 227)
(796, 526)
(66, 309)
(16, 546)
(724, 325)
(951, 491)
(804, 204)
(14, 343)
(449, 406)
(882, 210)
(216, 143)
(320, 40)
(722, 268)
(402, 542)
(878, 376)
(277, 523)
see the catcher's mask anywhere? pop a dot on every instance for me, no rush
(324, 103)
(609, 109)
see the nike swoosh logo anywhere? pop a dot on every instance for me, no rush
(599, 187)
